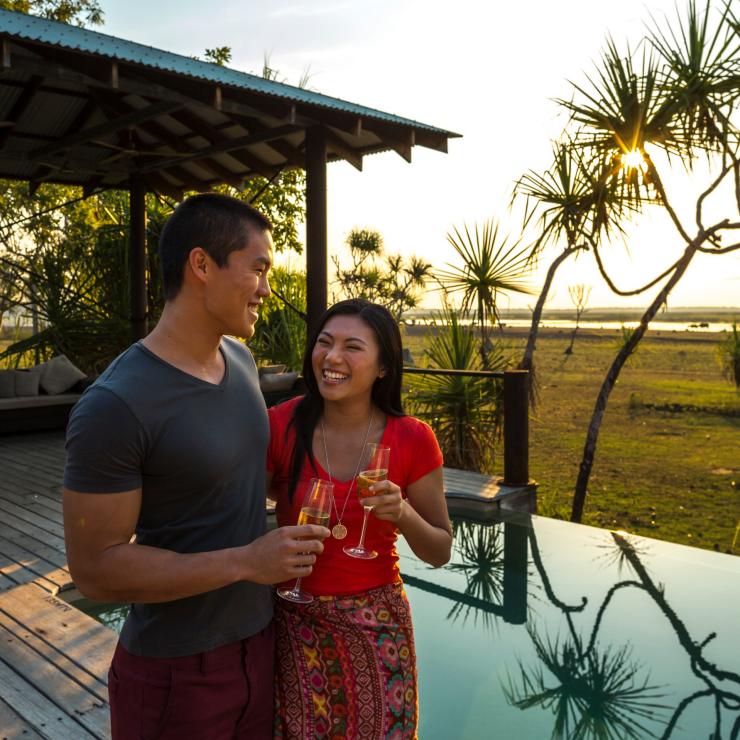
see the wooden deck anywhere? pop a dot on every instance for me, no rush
(54, 658)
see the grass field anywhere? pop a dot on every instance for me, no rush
(670, 474)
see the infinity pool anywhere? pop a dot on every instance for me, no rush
(543, 629)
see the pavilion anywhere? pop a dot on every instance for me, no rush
(80, 107)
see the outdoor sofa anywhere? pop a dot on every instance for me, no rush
(40, 398)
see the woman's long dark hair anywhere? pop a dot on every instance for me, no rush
(386, 391)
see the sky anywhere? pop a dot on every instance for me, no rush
(490, 71)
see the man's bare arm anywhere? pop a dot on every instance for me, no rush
(106, 566)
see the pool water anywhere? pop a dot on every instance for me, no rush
(544, 629)
(540, 629)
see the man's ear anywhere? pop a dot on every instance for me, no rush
(199, 263)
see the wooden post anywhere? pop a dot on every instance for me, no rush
(516, 550)
(516, 428)
(316, 241)
(137, 257)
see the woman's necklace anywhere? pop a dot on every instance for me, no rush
(339, 531)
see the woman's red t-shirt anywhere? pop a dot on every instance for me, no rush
(414, 453)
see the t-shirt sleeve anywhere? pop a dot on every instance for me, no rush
(106, 445)
(423, 453)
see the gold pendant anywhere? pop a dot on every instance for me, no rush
(339, 531)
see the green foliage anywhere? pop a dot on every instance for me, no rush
(728, 355)
(69, 266)
(280, 334)
(75, 12)
(489, 267)
(465, 412)
(386, 279)
(221, 55)
(283, 201)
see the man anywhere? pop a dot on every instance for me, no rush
(170, 444)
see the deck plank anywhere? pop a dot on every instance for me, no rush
(55, 556)
(83, 640)
(33, 563)
(53, 676)
(20, 574)
(42, 523)
(14, 727)
(49, 720)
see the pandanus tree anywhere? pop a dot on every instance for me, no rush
(638, 117)
(575, 206)
(489, 266)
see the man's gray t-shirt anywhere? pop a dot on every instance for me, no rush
(197, 450)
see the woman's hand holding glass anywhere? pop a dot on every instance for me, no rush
(375, 470)
(386, 501)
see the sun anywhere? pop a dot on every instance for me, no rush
(634, 160)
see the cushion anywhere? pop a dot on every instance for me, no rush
(277, 381)
(58, 375)
(270, 369)
(7, 383)
(26, 383)
(31, 402)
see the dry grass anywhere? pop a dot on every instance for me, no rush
(670, 474)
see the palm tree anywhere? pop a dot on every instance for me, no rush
(465, 412)
(575, 207)
(490, 266)
(680, 100)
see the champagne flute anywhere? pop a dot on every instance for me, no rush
(375, 470)
(316, 509)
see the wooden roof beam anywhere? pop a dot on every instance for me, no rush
(229, 145)
(159, 184)
(4, 82)
(294, 156)
(401, 145)
(337, 145)
(188, 118)
(105, 129)
(159, 132)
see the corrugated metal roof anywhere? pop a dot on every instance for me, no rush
(31, 28)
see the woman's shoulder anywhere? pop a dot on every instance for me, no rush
(283, 412)
(410, 425)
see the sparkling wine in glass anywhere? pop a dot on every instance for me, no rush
(375, 469)
(315, 509)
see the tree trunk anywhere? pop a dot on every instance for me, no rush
(592, 436)
(528, 358)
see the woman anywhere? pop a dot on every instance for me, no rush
(346, 665)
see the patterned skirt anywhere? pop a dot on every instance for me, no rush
(346, 667)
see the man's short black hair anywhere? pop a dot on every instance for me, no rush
(217, 223)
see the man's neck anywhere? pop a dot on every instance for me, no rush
(183, 340)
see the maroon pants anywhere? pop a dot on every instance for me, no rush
(223, 694)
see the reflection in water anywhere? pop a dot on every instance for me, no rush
(596, 694)
(481, 551)
(722, 686)
(594, 690)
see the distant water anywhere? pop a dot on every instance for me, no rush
(569, 325)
